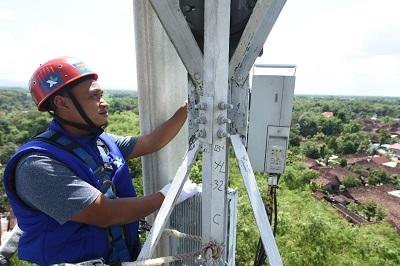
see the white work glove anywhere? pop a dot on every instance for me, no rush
(189, 189)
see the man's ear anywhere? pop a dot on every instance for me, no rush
(60, 103)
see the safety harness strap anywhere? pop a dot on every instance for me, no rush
(115, 235)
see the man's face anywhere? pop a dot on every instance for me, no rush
(90, 96)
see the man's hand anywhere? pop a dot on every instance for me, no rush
(189, 189)
(162, 135)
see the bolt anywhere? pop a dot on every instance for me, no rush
(201, 133)
(200, 120)
(201, 106)
(197, 76)
(222, 120)
(224, 105)
(222, 134)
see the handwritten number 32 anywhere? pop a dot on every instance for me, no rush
(218, 184)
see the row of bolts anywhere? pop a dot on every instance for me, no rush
(221, 119)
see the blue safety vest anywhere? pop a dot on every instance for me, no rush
(44, 240)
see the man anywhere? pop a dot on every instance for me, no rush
(70, 187)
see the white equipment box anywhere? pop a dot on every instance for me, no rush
(271, 107)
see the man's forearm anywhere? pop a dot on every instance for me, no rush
(163, 134)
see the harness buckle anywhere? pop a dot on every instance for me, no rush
(143, 226)
(112, 185)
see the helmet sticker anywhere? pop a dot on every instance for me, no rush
(81, 67)
(51, 82)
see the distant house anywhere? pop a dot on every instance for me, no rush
(395, 149)
(380, 159)
(328, 181)
(341, 199)
(383, 195)
(24, 110)
(390, 164)
(327, 114)
(319, 195)
(392, 170)
(309, 163)
(354, 158)
(385, 146)
(394, 130)
(369, 125)
(341, 173)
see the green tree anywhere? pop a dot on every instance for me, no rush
(332, 143)
(343, 162)
(310, 149)
(352, 127)
(325, 152)
(394, 179)
(384, 136)
(341, 114)
(349, 147)
(356, 168)
(294, 137)
(351, 181)
(331, 125)
(308, 123)
(297, 176)
(7, 152)
(372, 210)
(377, 176)
(124, 124)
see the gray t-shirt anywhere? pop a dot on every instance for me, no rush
(50, 186)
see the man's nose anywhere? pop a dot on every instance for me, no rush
(103, 102)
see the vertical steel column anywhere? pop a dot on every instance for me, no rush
(162, 88)
(212, 129)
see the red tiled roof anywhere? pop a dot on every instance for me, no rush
(308, 162)
(380, 159)
(353, 158)
(328, 114)
(395, 146)
(319, 195)
(322, 181)
(342, 172)
(380, 195)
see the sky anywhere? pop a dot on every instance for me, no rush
(340, 47)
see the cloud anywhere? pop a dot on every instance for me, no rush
(340, 47)
(6, 14)
(99, 32)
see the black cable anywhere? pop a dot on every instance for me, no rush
(261, 255)
(276, 214)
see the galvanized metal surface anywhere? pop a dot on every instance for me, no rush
(186, 218)
(239, 98)
(271, 105)
(179, 32)
(256, 202)
(263, 18)
(215, 81)
(161, 90)
(212, 82)
(166, 208)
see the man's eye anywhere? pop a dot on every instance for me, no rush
(97, 94)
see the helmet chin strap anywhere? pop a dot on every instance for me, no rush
(93, 130)
(90, 127)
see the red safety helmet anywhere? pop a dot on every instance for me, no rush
(54, 75)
